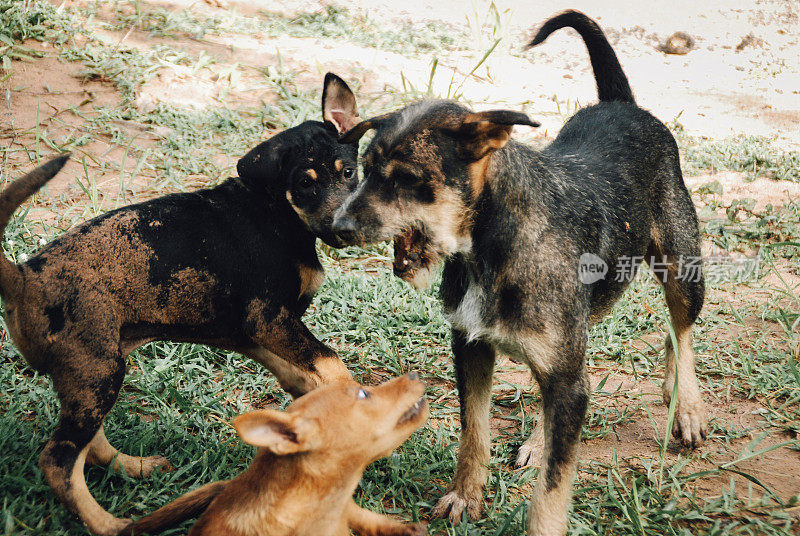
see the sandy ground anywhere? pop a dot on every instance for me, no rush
(715, 90)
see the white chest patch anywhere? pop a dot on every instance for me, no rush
(468, 315)
(533, 349)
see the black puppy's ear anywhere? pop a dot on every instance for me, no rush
(264, 161)
(357, 132)
(482, 132)
(339, 104)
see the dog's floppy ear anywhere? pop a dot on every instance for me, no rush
(339, 104)
(279, 432)
(356, 133)
(481, 132)
(264, 161)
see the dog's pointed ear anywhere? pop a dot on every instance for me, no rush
(482, 132)
(357, 132)
(339, 104)
(279, 432)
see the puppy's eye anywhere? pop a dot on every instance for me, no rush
(362, 394)
(305, 182)
(348, 172)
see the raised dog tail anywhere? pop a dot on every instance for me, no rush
(186, 507)
(612, 84)
(11, 198)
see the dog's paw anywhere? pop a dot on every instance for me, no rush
(415, 529)
(453, 504)
(108, 525)
(530, 452)
(149, 464)
(691, 424)
(126, 529)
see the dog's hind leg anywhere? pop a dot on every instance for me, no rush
(674, 257)
(530, 452)
(565, 399)
(101, 452)
(684, 295)
(474, 364)
(87, 388)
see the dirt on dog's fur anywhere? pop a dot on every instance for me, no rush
(233, 266)
(516, 226)
(310, 461)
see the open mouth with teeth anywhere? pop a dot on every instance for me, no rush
(413, 412)
(413, 252)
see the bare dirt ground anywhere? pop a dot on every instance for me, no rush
(716, 90)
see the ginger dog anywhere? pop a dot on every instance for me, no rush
(310, 460)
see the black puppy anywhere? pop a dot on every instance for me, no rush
(233, 266)
(526, 234)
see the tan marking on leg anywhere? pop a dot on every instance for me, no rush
(547, 514)
(101, 452)
(96, 518)
(466, 489)
(690, 411)
(331, 370)
(475, 442)
(690, 424)
(292, 379)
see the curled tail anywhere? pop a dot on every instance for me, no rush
(612, 84)
(11, 198)
(186, 507)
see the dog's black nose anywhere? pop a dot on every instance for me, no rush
(345, 229)
(344, 225)
(413, 376)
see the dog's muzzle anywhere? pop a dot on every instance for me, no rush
(344, 227)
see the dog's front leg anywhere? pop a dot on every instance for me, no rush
(474, 364)
(286, 347)
(565, 399)
(367, 523)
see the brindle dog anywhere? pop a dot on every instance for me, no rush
(233, 266)
(515, 224)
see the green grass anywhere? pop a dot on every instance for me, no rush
(178, 399)
(754, 155)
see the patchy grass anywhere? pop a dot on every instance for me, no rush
(757, 156)
(330, 22)
(177, 399)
